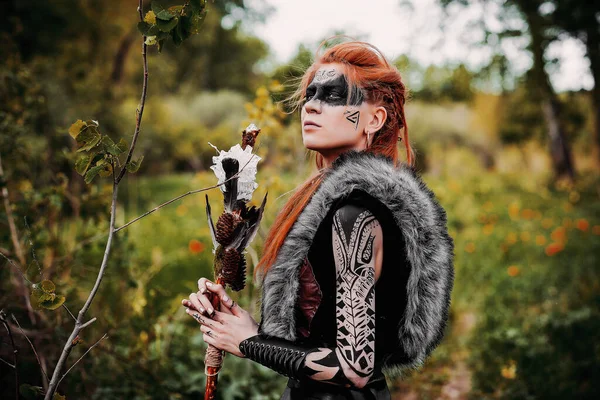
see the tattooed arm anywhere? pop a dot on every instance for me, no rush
(358, 252)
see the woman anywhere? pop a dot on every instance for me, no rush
(358, 266)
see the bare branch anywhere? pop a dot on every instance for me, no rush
(11, 262)
(140, 110)
(55, 381)
(87, 351)
(14, 234)
(7, 363)
(78, 325)
(32, 346)
(91, 321)
(15, 351)
(32, 248)
(69, 311)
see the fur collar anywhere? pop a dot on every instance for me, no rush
(429, 248)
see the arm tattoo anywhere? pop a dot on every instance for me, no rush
(354, 241)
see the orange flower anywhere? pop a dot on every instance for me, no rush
(547, 223)
(513, 211)
(488, 206)
(195, 246)
(470, 247)
(488, 229)
(511, 238)
(525, 236)
(559, 234)
(554, 248)
(509, 371)
(527, 213)
(513, 270)
(582, 224)
(540, 240)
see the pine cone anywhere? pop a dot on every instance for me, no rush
(240, 280)
(231, 262)
(226, 226)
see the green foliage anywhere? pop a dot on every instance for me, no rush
(176, 22)
(531, 250)
(101, 151)
(36, 393)
(42, 296)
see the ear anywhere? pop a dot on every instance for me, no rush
(376, 118)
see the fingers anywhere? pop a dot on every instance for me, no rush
(209, 335)
(225, 300)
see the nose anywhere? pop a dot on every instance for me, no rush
(313, 106)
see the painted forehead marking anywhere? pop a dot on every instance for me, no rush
(324, 75)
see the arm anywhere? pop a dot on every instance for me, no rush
(358, 252)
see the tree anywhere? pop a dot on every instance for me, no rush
(579, 18)
(538, 27)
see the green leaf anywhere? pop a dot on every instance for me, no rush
(147, 29)
(161, 11)
(176, 9)
(162, 35)
(122, 145)
(134, 166)
(30, 392)
(166, 26)
(53, 304)
(76, 128)
(83, 163)
(34, 296)
(48, 286)
(161, 42)
(186, 24)
(177, 35)
(46, 297)
(58, 396)
(106, 171)
(197, 21)
(197, 5)
(88, 138)
(91, 174)
(111, 147)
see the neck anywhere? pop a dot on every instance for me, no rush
(330, 156)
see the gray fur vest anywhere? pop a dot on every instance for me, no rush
(429, 249)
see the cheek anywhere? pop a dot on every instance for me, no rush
(352, 117)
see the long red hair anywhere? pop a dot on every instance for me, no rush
(365, 67)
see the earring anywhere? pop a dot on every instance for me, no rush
(368, 138)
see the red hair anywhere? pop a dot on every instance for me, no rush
(365, 67)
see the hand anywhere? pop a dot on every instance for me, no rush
(223, 329)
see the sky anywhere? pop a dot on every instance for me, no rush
(398, 30)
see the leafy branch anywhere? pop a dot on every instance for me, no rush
(100, 154)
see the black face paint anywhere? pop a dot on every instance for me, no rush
(333, 91)
(353, 116)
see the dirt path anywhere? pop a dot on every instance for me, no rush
(458, 384)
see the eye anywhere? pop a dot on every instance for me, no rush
(333, 96)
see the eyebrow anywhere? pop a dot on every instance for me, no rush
(327, 84)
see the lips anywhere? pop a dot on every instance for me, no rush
(311, 123)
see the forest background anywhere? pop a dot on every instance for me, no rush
(516, 169)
